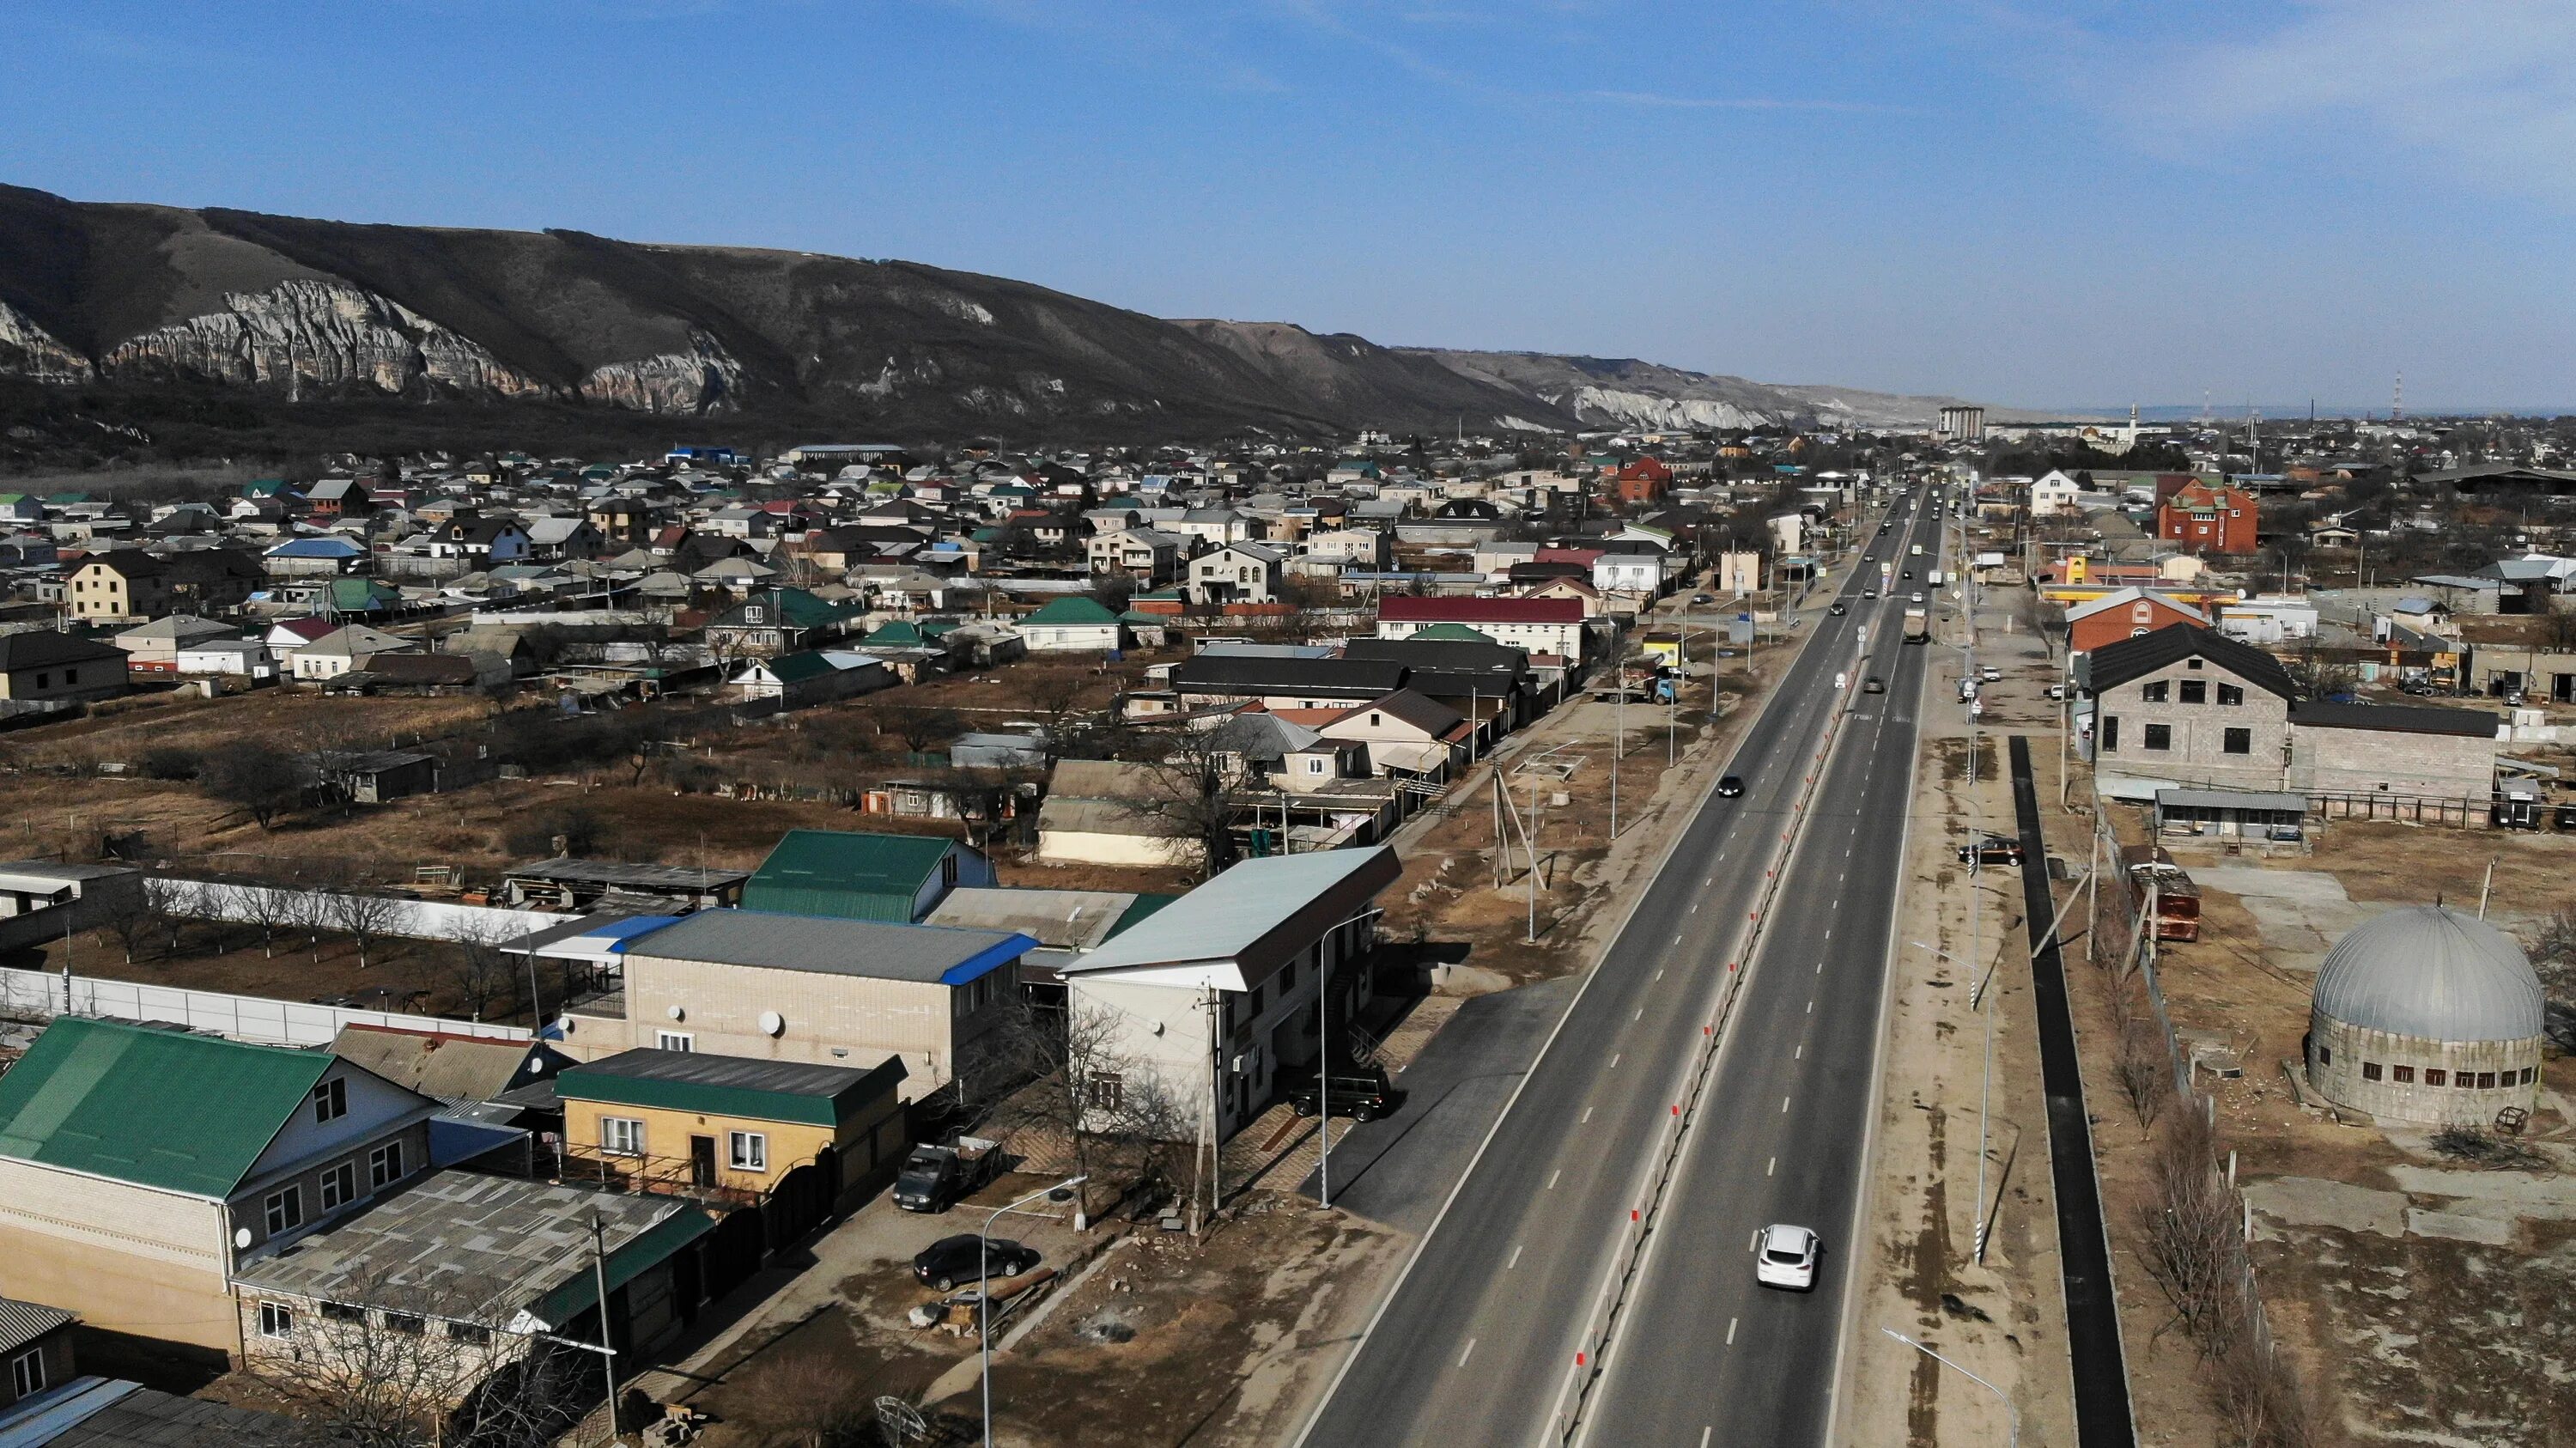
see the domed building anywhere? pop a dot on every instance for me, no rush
(2426, 1014)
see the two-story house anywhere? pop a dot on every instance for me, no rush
(2190, 707)
(1236, 573)
(1149, 556)
(128, 585)
(140, 1166)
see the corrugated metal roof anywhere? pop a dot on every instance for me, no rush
(23, 1322)
(1233, 914)
(2434, 973)
(1064, 919)
(875, 948)
(158, 1108)
(847, 873)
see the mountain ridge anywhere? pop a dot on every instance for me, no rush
(147, 299)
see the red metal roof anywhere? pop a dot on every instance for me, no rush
(1480, 610)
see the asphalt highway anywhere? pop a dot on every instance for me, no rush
(1476, 1341)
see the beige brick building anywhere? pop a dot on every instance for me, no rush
(2407, 752)
(2183, 705)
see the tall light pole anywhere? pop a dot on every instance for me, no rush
(2000, 1395)
(1061, 1192)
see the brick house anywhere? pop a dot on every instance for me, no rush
(2405, 751)
(2188, 706)
(1642, 482)
(2125, 613)
(2205, 519)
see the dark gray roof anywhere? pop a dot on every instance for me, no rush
(1224, 674)
(2396, 719)
(698, 1068)
(114, 1413)
(1447, 656)
(42, 647)
(2116, 663)
(828, 944)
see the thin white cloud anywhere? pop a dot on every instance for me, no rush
(2485, 89)
(1657, 101)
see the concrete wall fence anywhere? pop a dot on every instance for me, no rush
(41, 995)
(412, 919)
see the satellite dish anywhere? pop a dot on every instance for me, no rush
(771, 1023)
(679, 1013)
(241, 1237)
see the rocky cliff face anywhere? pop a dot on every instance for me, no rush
(329, 336)
(29, 351)
(706, 378)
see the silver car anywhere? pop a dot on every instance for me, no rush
(1785, 1256)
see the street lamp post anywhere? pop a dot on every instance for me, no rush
(1060, 1192)
(2000, 1395)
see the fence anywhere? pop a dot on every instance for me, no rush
(2413, 809)
(2128, 949)
(38, 995)
(290, 909)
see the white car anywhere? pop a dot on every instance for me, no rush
(1993, 675)
(1785, 1256)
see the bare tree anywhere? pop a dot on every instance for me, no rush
(364, 916)
(1052, 695)
(131, 927)
(416, 1368)
(253, 778)
(173, 904)
(1078, 1075)
(1196, 791)
(266, 907)
(482, 973)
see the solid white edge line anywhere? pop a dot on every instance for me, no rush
(1863, 1199)
(1530, 1072)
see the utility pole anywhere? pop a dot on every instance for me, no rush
(1619, 720)
(607, 1347)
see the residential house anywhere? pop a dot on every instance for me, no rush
(1071, 624)
(693, 1121)
(1236, 573)
(2055, 494)
(825, 990)
(781, 621)
(444, 1066)
(1213, 999)
(480, 541)
(849, 875)
(1405, 734)
(1641, 483)
(43, 666)
(327, 555)
(1211, 679)
(2187, 706)
(1147, 555)
(1536, 625)
(141, 1167)
(2207, 519)
(816, 676)
(1367, 550)
(343, 649)
(502, 1273)
(2125, 613)
(36, 1349)
(1104, 812)
(128, 585)
(339, 498)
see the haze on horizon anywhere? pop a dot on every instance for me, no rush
(2072, 205)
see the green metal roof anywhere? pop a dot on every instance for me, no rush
(896, 633)
(739, 1088)
(1455, 631)
(797, 668)
(847, 874)
(1072, 609)
(158, 1108)
(648, 1249)
(1146, 903)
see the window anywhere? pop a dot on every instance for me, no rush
(621, 1136)
(2240, 741)
(2401, 1074)
(71, 676)
(468, 1332)
(2159, 736)
(27, 1372)
(339, 1185)
(2433, 1076)
(343, 1312)
(1314, 766)
(675, 1040)
(2464, 1080)
(2195, 691)
(2486, 1080)
(2196, 664)
(2370, 1070)
(1108, 1091)
(44, 680)
(2325, 1055)
(276, 1320)
(2528, 1072)
(2111, 734)
(2230, 695)
(2157, 692)
(404, 1322)
(331, 1100)
(283, 1211)
(747, 1150)
(384, 1165)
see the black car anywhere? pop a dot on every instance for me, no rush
(951, 1260)
(1361, 1097)
(1908, 573)
(1838, 610)
(1730, 787)
(1873, 685)
(1991, 850)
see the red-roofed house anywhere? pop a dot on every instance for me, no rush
(2204, 519)
(2126, 613)
(1644, 481)
(1539, 625)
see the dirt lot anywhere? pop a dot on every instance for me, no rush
(2422, 1300)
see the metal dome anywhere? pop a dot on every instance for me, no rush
(2424, 970)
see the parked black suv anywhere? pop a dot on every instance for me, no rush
(1991, 850)
(1730, 787)
(951, 1260)
(1361, 1097)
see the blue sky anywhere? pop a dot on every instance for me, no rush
(2081, 203)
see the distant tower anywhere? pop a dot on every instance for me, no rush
(2397, 399)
